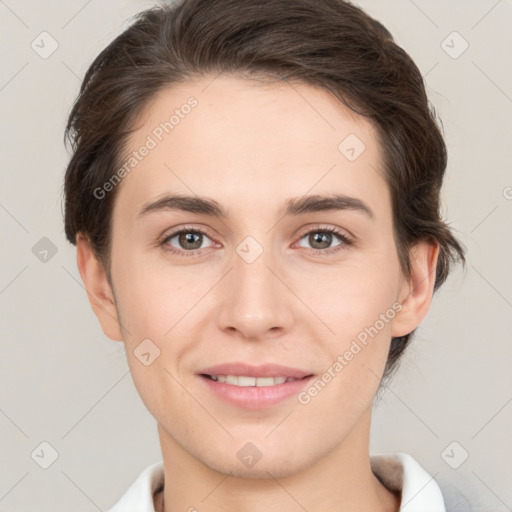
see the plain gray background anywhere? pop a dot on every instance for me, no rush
(64, 383)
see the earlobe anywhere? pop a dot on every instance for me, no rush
(416, 292)
(98, 288)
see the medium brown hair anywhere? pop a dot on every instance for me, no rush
(330, 44)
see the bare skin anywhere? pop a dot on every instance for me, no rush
(251, 147)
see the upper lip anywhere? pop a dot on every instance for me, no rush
(265, 370)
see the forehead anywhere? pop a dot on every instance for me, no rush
(238, 136)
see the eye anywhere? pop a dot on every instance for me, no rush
(190, 241)
(185, 241)
(321, 239)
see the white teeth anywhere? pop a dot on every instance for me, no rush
(244, 381)
(230, 379)
(266, 381)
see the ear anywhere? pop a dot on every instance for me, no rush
(415, 294)
(98, 288)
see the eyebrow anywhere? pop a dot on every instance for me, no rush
(292, 207)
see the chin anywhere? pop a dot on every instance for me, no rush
(249, 462)
(261, 470)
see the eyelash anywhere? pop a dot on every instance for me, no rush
(345, 241)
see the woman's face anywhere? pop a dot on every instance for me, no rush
(280, 279)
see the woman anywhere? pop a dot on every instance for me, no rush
(254, 198)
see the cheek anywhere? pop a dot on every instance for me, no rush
(359, 305)
(354, 298)
(355, 356)
(154, 307)
(151, 299)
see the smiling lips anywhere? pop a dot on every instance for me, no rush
(245, 381)
(254, 387)
(266, 370)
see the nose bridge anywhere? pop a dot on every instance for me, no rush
(255, 300)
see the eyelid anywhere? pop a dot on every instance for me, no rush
(171, 232)
(326, 227)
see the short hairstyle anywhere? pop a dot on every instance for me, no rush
(330, 44)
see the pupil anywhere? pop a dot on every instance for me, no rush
(324, 239)
(188, 238)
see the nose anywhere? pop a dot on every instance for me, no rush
(255, 301)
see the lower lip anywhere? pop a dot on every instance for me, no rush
(256, 397)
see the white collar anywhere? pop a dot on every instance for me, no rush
(397, 472)
(400, 472)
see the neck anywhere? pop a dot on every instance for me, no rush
(340, 480)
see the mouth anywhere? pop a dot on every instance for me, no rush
(247, 381)
(254, 387)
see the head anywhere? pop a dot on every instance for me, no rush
(251, 104)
